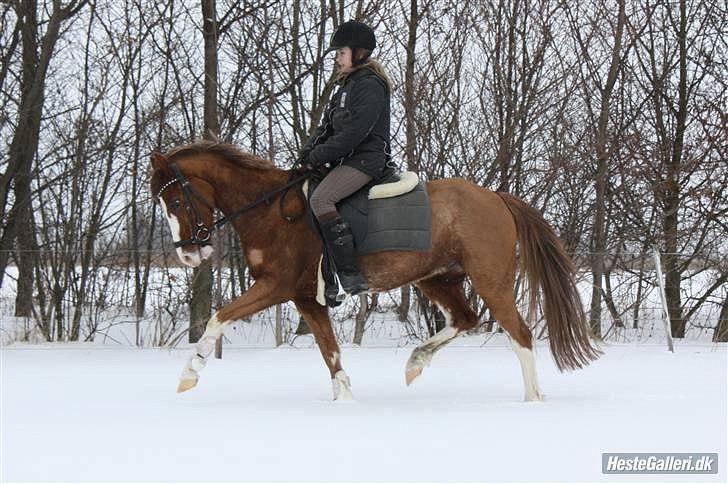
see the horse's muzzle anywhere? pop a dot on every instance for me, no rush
(195, 257)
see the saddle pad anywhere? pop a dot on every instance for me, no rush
(396, 223)
(400, 222)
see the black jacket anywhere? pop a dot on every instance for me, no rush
(355, 128)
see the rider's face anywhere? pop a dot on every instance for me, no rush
(343, 59)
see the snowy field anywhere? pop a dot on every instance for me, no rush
(101, 413)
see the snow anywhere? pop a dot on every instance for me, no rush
(97, 413)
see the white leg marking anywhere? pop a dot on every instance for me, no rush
(446, 313)
(342, 387)
(422, 355)
(202, 350)
(445, 334)
(528, 368)
(335, 358)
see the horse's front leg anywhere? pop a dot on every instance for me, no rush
(262, 294)
(317, 317)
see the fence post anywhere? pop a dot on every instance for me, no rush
(663, 298)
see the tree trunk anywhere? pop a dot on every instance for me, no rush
(720, 335)
(361, 319)
(673, 272)
(279, 325)
(410, 104)
(365, 310)
(404, 304)
(302, 327)
(601, 180)
(201, 302)
(24, 145)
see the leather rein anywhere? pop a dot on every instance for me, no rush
(201, 233)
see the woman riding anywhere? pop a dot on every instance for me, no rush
(351, 146)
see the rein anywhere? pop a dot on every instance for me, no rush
(201, 233)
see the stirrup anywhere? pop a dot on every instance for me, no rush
(335, 292)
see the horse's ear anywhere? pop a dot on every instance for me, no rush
(159, 161)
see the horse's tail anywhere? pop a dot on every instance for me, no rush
(548, 267)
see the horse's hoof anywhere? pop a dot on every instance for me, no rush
(411, 374)
(344, 397)
(185, 385)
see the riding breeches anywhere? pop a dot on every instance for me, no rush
(341, 182)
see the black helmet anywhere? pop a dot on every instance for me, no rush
(353, 34)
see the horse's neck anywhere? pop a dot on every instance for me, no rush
(237, 186)
(247, 186)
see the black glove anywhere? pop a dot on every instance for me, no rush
(305, 151)
(302, 166)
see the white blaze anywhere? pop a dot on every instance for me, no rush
(192, 259)
(174, 228)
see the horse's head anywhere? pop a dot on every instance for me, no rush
(187, 203)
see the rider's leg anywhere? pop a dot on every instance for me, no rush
(340, 183)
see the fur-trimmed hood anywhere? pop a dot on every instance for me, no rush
(373, 65)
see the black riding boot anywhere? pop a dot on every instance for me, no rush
(340, 241)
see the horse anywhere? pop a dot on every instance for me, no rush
(475, 233)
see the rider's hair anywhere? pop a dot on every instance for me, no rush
(372, 64)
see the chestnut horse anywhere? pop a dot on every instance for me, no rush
(474, 234)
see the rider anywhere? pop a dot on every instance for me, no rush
(351, 146)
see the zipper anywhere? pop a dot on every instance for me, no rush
(326, 126)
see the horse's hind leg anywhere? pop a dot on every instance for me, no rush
(317, 317)
(447, 293)
(501, 302)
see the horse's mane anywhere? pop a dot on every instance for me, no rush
(224, 150)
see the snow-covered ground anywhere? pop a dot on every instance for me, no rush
(98, 413)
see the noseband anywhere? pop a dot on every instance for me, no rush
(201, 233)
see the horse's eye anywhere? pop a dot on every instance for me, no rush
(174, 205)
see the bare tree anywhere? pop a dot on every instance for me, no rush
(594, 79)
(37, 51)
(679, 65)
(202, 280)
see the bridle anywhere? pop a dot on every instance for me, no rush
(201, 233)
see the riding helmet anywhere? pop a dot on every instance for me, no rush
(353, 34)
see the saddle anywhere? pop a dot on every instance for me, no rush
(389, 214)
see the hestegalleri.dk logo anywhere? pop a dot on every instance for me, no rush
(679, 463)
